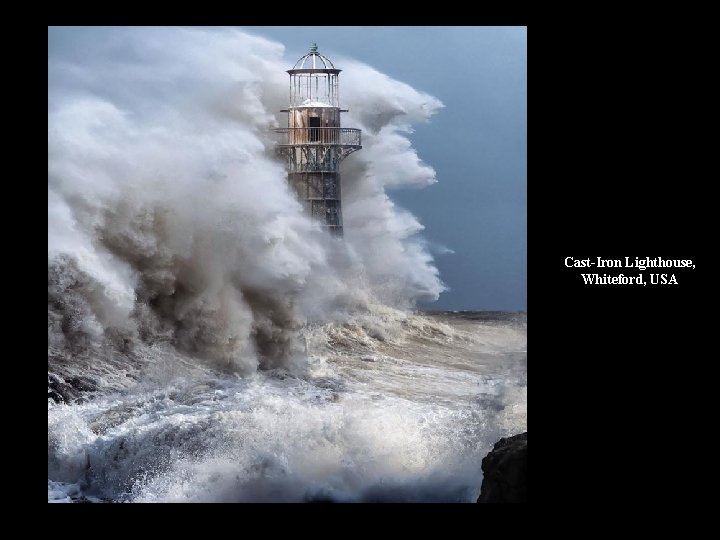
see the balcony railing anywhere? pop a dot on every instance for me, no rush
(349, 137)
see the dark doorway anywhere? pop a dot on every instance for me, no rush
(314, 135)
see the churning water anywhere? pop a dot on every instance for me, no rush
(206, 340)
(400, 410)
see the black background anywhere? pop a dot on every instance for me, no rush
(620, 374)
(621, 132)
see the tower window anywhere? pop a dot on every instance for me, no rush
(314, 134)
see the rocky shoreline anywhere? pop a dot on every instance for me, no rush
(505, 472)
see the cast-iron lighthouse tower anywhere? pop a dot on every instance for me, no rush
(314, 143)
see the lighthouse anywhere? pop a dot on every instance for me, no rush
(313, 143)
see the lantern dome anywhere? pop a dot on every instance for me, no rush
(314, 60)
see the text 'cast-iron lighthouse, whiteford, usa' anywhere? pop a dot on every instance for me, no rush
(314, 144)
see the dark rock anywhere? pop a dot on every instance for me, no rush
(505, 472)
(82, 384)
(69, 390)
(59, 391)
(55, 396)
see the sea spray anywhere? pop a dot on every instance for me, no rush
(208, 342)
(169, 217)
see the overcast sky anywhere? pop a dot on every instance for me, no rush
(477, 144)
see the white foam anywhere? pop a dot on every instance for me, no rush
(347, 429)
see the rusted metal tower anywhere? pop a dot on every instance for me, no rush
(314, 144)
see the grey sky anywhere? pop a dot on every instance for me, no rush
(477, 144)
